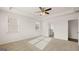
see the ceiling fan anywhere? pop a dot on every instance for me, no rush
(44, 11)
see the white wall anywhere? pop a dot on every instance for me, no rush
(60, 28)
(60, 24)
(26, 28)
(73, 29)
(45, 29)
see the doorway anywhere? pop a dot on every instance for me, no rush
(51, 31)
(73, 30)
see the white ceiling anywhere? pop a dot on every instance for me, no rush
(33, 11)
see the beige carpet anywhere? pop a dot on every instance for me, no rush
(41, 44)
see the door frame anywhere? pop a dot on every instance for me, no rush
(75, 40)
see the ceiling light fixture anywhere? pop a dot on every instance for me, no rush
(42, 13)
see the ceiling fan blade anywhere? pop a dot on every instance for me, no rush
(46, 13)
(42, 9)
(48, 9)
(10, 8)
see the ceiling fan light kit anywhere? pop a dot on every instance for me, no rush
(42, 13)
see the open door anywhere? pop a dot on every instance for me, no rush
(73, 30)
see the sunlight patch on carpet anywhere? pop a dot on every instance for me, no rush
(40, 42)
(34, 41)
